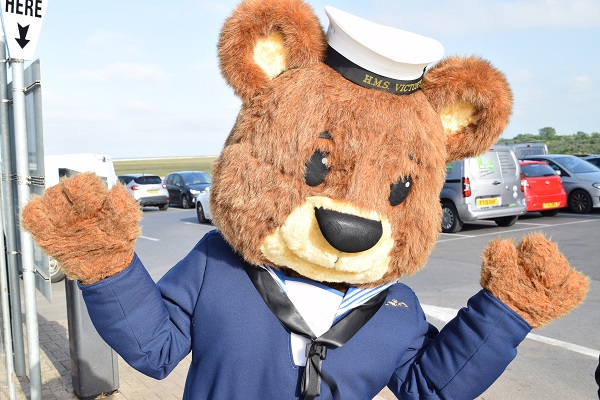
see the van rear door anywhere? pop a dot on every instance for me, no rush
(495, 179)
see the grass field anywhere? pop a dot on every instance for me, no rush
(163, 166)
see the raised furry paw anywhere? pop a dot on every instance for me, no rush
(88, 229)
(534, 279)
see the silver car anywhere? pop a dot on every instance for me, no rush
(147, 190)
(486, 187)
(580, 178)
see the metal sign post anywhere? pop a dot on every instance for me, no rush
(23, 192)
(13, 333)
(22, 21)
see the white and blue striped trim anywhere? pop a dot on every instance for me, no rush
(353, 298)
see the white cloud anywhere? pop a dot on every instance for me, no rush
(522, 77)
(144, 108)
(581, 84)
(127, 72)
(469, 16)
(104, 41)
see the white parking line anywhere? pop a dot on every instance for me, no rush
(446, 314)
(532, 223)
(463, 236)
(149, 238)
(455, 234)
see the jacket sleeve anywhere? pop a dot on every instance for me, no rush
(148, 324)
(467, 355)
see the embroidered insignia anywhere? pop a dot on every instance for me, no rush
(396, 303)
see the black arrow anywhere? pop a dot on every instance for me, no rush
(22, 34)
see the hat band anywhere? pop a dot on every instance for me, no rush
(365, 78)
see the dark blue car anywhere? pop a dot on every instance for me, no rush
(185, 186)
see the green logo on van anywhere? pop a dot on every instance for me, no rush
(486, 166)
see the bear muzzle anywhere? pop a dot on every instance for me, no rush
(333, 241)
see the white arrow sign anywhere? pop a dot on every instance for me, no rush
(22, 25)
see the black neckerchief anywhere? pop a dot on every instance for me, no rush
(316, 351)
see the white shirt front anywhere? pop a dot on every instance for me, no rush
(320, 306)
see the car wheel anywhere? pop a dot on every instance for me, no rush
(200, 213)
(185, 203)
(580, 202)
(163, 207)
(451, 223)
(56, 273)
(549, 213)
(506, 221)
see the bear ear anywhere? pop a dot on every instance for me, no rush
(474, 102)
(264, 38)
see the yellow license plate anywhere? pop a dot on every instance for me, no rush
(488, 202)
(553, 204)
(154, 191)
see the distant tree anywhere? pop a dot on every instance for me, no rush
(547, 133)
(525, 137)
(578, 143)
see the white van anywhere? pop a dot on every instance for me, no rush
(486, 187)
(67, 165)
(523, 150)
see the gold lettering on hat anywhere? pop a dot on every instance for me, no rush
(410, 87)
(380, 83)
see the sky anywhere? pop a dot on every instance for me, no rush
(140, 79)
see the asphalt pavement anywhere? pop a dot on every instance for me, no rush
(560, 367)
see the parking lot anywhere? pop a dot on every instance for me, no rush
(556, 362)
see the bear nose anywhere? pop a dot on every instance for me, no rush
(346, 232)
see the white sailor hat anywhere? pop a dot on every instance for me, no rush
(377, 56)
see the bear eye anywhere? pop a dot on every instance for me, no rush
(316, 169)
(399, 190)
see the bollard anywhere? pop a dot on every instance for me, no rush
(94, 365)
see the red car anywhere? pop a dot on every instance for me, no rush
(544, 191)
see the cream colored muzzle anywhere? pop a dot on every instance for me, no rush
(299, 244)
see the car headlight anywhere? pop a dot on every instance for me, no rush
(194, 192)
(596, 185)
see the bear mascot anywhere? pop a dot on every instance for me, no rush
(325, 195)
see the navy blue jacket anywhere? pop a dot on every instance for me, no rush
(207, 304)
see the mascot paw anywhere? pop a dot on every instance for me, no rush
(88, 229)
(534, 279)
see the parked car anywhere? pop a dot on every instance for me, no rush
(593, 159)
(185, 186)
(487, 187)
(580, 179)
(203, 207)
(544, 191)
(146, 189)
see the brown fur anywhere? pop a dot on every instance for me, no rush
(89, 230)
(376, 139)
(474, 80)
(259, 177)
(534, 278)
(294, 20)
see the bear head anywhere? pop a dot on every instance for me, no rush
(330, 179)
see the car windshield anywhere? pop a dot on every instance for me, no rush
(577, 165)
(533, 170)
(195, 178)
(147, 180)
